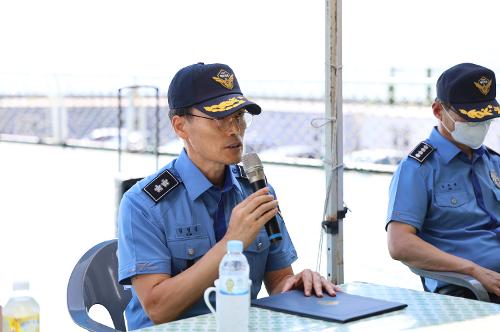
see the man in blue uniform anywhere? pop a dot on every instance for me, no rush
(444, 206)
(174, 225)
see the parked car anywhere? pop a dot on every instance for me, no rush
(294, 154)
(107, 137)
(291, 151)
(381, 160)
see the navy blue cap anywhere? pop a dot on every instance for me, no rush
(211, 88)
(471, 90)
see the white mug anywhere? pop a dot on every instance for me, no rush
(232, 310)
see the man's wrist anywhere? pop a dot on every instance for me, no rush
(472, 269)
(223, 243)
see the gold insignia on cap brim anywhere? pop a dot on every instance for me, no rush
(225, 105)
(480, 113)
(484, 85)
(225, 79)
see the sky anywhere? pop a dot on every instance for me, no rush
(274, 40)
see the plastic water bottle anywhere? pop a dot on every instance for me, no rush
(234, 289)
(22, 312)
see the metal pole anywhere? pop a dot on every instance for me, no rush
(130, 118)
(59, 119)
(429, 88)
(157, 127)
(333, 219)
(120, 124)
(391, 95)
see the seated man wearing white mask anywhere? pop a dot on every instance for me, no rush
(444, 206)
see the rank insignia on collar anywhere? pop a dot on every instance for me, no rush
(484, 85)
(421, 152)
(494, 177)
(225, 79)
(161, 185)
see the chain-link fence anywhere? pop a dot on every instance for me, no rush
(377, 130)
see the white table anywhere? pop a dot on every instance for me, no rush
(425, 310)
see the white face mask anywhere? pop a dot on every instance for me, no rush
(471, 134)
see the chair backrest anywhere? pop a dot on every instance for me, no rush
(94, 280)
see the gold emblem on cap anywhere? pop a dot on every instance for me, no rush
(484, 85)
(225, 79)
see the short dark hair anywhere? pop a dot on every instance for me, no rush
(179, 111)
(446, 105)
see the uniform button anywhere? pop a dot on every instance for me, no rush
(454, 201)
(190, 251)
(235, 170)
(259, 245)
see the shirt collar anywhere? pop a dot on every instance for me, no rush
(231, 172)
(478, 153)
(447, 150)
(195, 181)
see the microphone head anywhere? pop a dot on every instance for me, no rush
(253, 167)
(251, 161)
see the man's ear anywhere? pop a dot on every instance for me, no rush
(438, 110)
(179, 125)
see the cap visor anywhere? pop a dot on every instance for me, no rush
(478, 112)
(223, 106)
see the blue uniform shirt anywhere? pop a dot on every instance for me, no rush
(171, 234)
(452, 201)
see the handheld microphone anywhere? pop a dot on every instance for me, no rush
(255, 173)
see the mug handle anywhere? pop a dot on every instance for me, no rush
(206, 298)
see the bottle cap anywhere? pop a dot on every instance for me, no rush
(235, 245)
(21, 285)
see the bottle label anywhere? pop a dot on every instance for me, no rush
(233, 285)
(22, 324)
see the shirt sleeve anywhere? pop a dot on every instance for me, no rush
(141, 242)
(281, 254)
(408, 197)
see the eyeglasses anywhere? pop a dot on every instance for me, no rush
(243, 120)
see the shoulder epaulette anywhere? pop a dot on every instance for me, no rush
(490, 150)
(421, 152)
(161, 185)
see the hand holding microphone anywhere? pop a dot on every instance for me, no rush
(255, 173)
(250, 215)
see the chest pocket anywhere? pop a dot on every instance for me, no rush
(256, 254)
(452, 199)
(186, 252)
